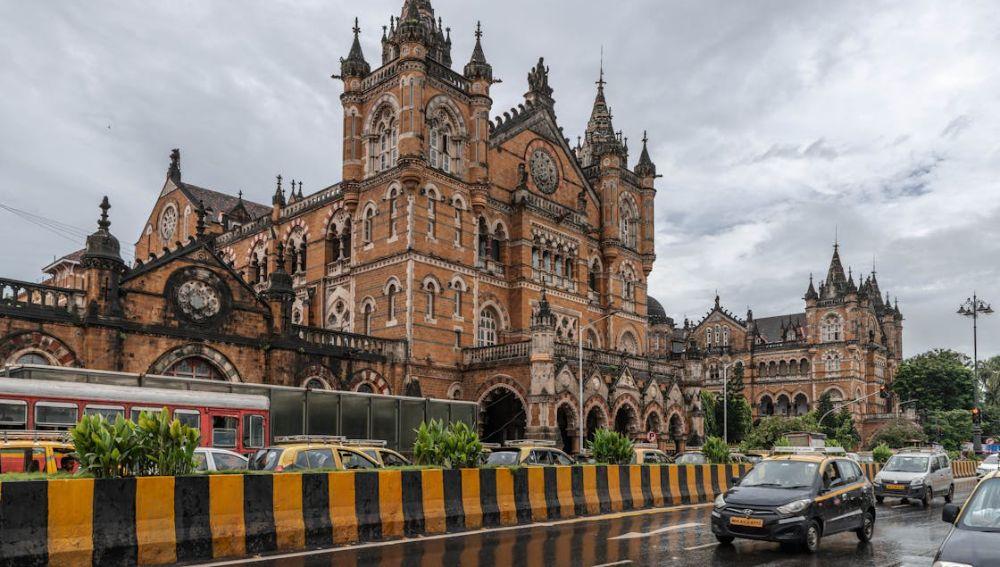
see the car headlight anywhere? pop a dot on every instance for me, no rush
(917, 482)
(877, 480)
(950, 564)
(794, 507)
(720, 501)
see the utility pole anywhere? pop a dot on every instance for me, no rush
(972, 308)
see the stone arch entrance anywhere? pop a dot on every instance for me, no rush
(676, 430)
(566, 421)
(626, 420)
(503, 415)
(653, 422)
(596, 419)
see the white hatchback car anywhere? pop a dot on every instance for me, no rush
(917, 474)
(209, 459)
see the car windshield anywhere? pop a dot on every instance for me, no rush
(265, 459)
(982, 511)
(782, 474)
(503, 458)
(991, 460)
(900, 463)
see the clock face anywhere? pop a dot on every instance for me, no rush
(199, 300)
(168, 222)
(543, 171)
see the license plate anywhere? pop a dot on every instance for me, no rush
(748, 522)
(895, 487)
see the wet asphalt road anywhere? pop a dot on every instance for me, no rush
(905, 535)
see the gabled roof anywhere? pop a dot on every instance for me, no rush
(219, 202)
(71, 258)
(722, 311)
(770, 328)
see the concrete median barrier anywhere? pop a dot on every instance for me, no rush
(163, 520)
(964, 469)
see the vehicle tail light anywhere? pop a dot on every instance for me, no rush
(279, 468)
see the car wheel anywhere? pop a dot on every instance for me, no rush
(867, 529)
(880, 499)
(810, 541)
(725, 539)
(951, 494)
(928, 496)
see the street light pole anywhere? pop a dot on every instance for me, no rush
(972, 308)
(579, 370)
(725, 404)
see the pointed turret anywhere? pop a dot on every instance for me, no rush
(174, 170)
(835, 275)
(278, 200)
(600, 137)
(102, 246)
(811, 294)
(478, 68)
(645, 167)
(355, 64)
(851, 288)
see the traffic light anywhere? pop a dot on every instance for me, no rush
(976, 417)
(883, 392)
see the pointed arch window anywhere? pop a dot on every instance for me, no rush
(383, 149)
(441, 142)
(369, 316)
(458, 224)
(592, 276)
(391, 292)
(430, 295)
(487, 330)
(629, 223)
(393, 211)
(831, 329)
(431, 215)
(368, 230)
(339, 318)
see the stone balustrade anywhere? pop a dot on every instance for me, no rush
(389, 348)
(19, 295)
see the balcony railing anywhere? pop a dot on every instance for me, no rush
(496, 353)
(324, 196)
(19, 295)
(338, 267)
(389, 348)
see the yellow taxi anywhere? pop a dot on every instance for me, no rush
(37, 451)
(310, 452)
(377, 450)
(649, 454)
(528, 452)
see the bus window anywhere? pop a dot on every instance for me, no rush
(190, 418)
(13, 414)
(224, 431)
(136, 411)
(253, 431)
(52, 415)
(22, 460)
(110, 413)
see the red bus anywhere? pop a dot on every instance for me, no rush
(238, 422)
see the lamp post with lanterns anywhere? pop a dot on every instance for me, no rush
(972, 307)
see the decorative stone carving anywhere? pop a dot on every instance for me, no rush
(543, 171)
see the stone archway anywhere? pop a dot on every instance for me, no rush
(653, 423)
(626, 420)
(676, 430)
(567, 424)
(198, 352)
(503, 415)
(597, 418)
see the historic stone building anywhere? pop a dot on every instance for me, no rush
(458, 257)
(847, 342)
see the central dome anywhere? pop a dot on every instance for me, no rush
(655, 312)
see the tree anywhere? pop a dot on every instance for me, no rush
(895, 434)
(989, 381)
(939, 380)
(949, 428)
(772, 428)
(712, 429)
(837, 425)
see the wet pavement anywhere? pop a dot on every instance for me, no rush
(905, 535)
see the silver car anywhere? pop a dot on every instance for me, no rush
(209, 459)
(920, 475)
(989, 464)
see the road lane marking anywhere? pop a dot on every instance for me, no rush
(622, 562)
(634, 535)
(901, 506)
(702, 546)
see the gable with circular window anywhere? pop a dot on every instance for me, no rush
(198, 295)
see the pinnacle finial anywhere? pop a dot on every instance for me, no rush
(174, 171)
(600, 80)
(199, 227)
(357, 28)
(104, 223)
(479, 30)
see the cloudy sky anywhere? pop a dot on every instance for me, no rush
(774, 124)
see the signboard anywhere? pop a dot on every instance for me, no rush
(651, 437)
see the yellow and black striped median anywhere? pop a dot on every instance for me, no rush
(160, 520)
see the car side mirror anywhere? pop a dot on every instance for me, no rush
(949, 513)
(735, 481)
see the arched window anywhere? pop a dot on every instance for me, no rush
(430, 293)
(33, 358)
(629, 223)
(458, 290)
(383, 149)
(393, 211)
(708, 337)
(483, 248)
(368, 231)
(489, 325)
(831, 330)
(628, 285)
(458, 223)
(369, 315)
(194, 367)
(296, 247)
(315, 383)
(593, 275)
(339, 318)
(391, 291)
(365, 388)
(258, 264)
(725, 336)
(496, 243)
(629, 343)
(432, 214)
(831, 362)
(592, 340)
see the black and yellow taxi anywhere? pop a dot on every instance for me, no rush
(649, 454)
(45, 452)
(310, 452)
(379, 452)
(528, 452)
(798, 495)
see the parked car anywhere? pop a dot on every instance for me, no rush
(797, 495)
(649, 454)
(37, 451)
(974, 539)
(920, 474)
(528, 452)
(377, 450)
(989, 464)
(210, 459)
(304, 452)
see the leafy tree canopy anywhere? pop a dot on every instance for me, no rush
(949, 428)
(938, 380)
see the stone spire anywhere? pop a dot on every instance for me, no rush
(477, 67)
(645, 167)
(355, 64)
(600, 136)
(811, 294)
(174, 171)
(835, 274)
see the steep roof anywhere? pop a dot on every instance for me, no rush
(71, 258)
(770, 327)
(221, 202)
